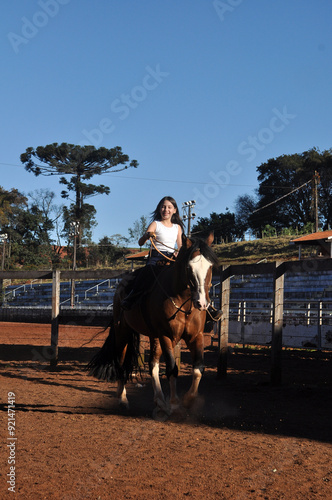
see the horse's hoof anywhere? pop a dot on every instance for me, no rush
(178, 414)
(194, 405)
(123, 405)
(189, 400)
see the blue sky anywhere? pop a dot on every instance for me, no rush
(199, 92)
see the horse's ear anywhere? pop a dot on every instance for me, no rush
(186, 243)
(209, 240)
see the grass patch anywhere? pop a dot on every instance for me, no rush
(251, 252)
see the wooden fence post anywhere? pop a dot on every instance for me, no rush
(55, 317)
(177, 354)
(319, 324)
(141, 355)
(224, 322)
(277, 324)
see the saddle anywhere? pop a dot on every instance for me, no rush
(139, 284)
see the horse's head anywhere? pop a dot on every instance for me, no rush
(200, 260)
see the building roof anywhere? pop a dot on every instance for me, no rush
(138, 256)
(313, 237)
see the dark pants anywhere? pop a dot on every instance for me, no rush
(156, 257)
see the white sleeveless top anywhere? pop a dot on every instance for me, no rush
(167, 236)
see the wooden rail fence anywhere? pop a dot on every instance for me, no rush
(276, 269)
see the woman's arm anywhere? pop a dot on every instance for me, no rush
(179, 238)
(151, 229)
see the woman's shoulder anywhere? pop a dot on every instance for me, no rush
(152, 226)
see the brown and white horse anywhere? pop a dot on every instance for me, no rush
(174, 308)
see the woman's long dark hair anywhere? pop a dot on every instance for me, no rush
(176, 219)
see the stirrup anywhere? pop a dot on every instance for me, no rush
(215, 314)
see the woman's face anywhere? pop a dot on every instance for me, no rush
(167, 210)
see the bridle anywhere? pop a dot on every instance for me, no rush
(190, 285)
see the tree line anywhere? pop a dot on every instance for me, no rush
(30, 221)
(293, 195)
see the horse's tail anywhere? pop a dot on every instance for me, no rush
(105, 363)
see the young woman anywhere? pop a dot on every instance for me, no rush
(166, 228)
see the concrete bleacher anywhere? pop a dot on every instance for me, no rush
(99, 293)
(88, 294)
(297, 286)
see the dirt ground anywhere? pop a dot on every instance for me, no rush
(243, 439)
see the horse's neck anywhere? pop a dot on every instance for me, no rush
(178, 282)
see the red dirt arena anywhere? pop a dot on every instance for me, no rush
(65, 438)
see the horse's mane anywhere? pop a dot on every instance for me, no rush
(204, 249)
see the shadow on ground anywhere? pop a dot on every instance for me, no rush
(301, 406)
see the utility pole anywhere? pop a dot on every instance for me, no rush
(188, 215)
(74, 231)
(3, 239)
(316, 180)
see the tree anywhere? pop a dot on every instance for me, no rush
(223, 225)
(105, 253)
(118, 240)
(244, 208)
(139, 227)
(280, 203)
(43, 200)
(80, 163)
(28, 225)
(9, 202)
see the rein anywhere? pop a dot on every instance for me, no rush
(171, 259)
(179, 308)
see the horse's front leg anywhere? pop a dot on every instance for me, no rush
(171, 371)
(121, 349)
(161, 411)
(196, 347)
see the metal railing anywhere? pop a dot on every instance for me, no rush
(97, 287)
(25, 286)
(306, 312)
(76, 299)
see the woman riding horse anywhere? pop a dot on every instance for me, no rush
(173, 309)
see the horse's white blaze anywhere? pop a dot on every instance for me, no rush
(199, 267)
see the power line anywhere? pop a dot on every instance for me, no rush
(282, 197)
(176, 181)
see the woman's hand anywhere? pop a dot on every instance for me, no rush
(147, 235)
